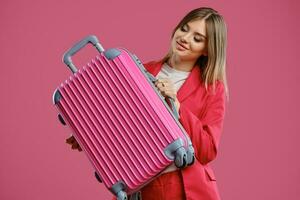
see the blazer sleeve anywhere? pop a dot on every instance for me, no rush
(205, 131)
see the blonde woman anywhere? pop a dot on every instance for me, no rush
(193, 74)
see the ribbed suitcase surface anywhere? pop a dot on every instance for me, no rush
(119, 120)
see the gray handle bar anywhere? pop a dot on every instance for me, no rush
(68, 54)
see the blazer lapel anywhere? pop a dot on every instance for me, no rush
(153, 67)
(190, 85)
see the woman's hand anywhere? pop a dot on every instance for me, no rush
(167, 89)
(74, 144)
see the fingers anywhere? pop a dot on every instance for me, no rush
(169, 93)
(70, 140)
(164, 82)
(79, 148)
(74, 144)
(166, 87)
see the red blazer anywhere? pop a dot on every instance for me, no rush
(201, 115)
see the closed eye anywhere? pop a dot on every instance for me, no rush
(198, 39)
(184, 28)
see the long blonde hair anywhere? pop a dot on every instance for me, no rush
(214, 64)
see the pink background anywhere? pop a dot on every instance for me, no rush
(259, 151)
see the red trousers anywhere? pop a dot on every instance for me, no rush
(167, 186)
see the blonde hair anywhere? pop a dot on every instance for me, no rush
(214, 64)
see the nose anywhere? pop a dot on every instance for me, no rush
(183, 40)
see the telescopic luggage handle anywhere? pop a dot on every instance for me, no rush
(67, 55)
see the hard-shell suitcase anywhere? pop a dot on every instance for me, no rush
(120, 120)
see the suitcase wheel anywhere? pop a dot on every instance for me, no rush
(61, 119)
(121, 195)
(190, 156)
(136, 196)
(98, 177)
(180, 158)
(193, 160)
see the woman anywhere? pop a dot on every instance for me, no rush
(193, 74)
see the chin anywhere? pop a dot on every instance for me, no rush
(181, 55)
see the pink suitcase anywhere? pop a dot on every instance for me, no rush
(120, 120)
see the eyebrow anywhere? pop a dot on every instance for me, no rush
(197, 32)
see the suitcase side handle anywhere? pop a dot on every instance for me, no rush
(79, 45)
(171, 100)
(173, 107)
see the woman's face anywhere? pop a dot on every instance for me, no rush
(189, 41)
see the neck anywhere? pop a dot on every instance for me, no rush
(181, 65)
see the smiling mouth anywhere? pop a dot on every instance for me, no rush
(181, 45)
